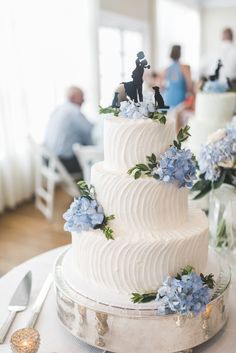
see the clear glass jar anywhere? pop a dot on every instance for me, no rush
(222, 218)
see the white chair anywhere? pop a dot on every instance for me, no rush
(50, 172)
(87, 156)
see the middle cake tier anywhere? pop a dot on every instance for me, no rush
(142, 206)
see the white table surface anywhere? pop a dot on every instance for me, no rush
(55, 339)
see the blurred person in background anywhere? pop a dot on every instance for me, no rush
(176, 80)
(227, 54)
(67, 126)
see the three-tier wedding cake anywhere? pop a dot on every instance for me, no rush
(134, 273)
(156, 233)
(152, 232)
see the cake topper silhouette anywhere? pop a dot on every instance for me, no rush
(134, 89)
(229, 83)
(216, 75)
(159, 101)
(115, 102)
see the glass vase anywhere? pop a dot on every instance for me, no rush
(222, 218)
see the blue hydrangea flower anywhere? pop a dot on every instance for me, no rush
(84, 214)
(188, 294)
(177, 165)
(136, 110)
(215, 87)
(214, 155)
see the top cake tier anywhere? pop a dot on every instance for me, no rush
(129, 141)
(215, 107)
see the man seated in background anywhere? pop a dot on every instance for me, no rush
(67, 126)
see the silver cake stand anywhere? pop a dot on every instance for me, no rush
(123, 330)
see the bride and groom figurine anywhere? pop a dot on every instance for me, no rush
(134, 89)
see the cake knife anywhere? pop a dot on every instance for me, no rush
(38, 304)
(19, 302)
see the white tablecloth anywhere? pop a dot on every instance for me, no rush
(55, 339)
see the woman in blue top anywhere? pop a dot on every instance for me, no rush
(177, 80)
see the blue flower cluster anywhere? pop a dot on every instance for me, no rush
(187, 294)
(215, 87)
(84, 214)
(136, 111)
(177, 165)
(214, 155)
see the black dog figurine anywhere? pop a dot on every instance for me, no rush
(159, 101)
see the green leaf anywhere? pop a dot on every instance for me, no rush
(201, 185)
(221, 235)
(219, 182)
(203, 192)
(108, 232)
(142, 167)
(162, 119)
(176, 144)
(109, 218)
(85, 190)
(208, 280)
(182, 136)
(131, 170)
(187, 270)
(156, 176)
(109, 110)
(152, 161)
(137, 174)
(158, 117)
(143, 298)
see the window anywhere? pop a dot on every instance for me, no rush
(118, 47)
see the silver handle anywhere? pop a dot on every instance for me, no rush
(32, 320)
(6, 326)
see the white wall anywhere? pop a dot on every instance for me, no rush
(214, 20)
(139, 9)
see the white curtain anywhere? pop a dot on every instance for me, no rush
(45, 46)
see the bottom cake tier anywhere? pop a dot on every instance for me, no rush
(140, 330)
(122, 266)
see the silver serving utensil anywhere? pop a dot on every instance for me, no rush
(28, 335)
(39, 301)
(19, 302)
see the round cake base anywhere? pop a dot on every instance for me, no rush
(121, 329)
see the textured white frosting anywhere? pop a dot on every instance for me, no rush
(142, 206)
(155, 233)
(213, 111)
(127, 266)
(129, 141)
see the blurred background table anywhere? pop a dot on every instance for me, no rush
(55, 339)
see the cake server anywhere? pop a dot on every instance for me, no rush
(39, 301)
(19, 302)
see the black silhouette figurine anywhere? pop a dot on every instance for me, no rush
(229, 83)
(216, 75)
(159, 101)
(134, 89)
(115, 102)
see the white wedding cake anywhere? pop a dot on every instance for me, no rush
(156, 233)
(139, 256)
(212, 112)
